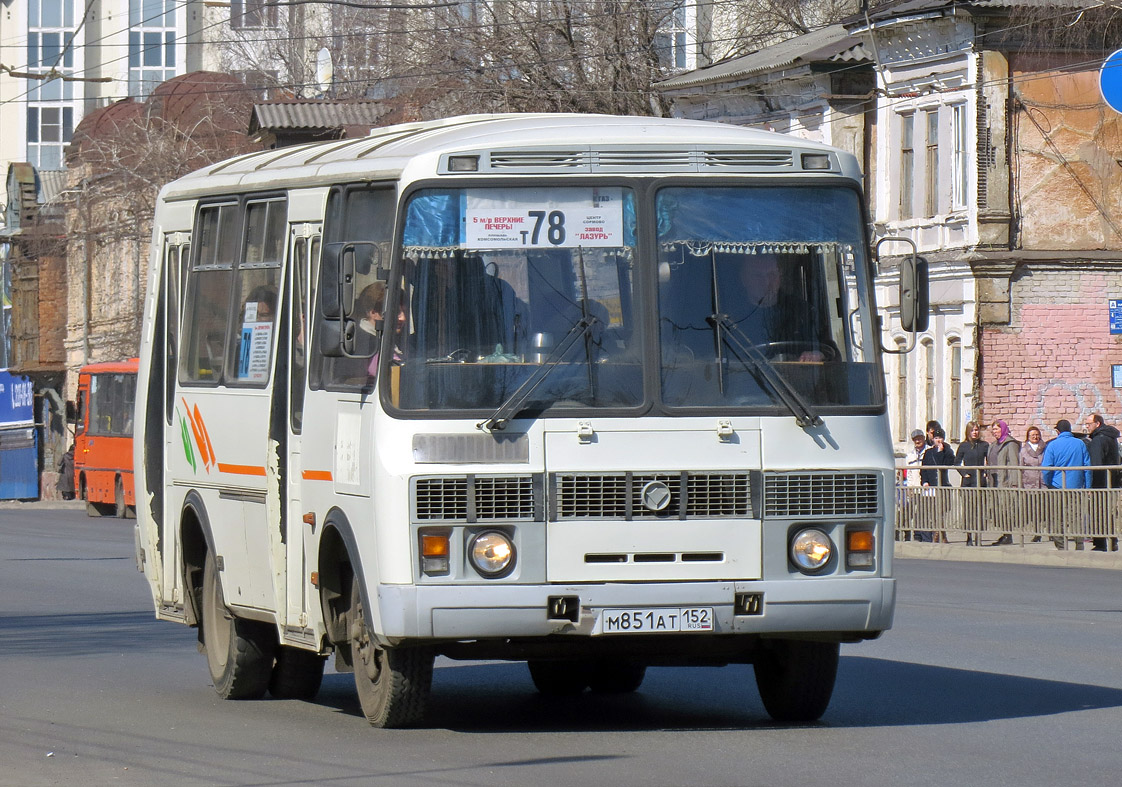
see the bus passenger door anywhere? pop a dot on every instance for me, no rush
(177, 247)
(304, 254)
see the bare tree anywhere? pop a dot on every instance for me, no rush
(428, 58)
(119, 159)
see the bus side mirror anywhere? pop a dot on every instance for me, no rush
(71, 412)
(915, 304)
(342, 264)
(914, 297)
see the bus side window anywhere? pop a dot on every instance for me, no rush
(365, 217)
(80, 423)
(257, 282)
(209, 293)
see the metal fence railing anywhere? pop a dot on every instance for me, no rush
(1067, 516)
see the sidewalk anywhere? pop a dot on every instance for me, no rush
(1042, 553)
(42, 505)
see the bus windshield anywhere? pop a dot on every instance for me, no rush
(763, 299)
(496, 281)
(758, 283)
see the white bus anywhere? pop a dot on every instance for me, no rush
(594, 393)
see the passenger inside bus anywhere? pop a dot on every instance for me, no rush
(371, 306)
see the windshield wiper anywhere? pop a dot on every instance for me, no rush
(749, 355)
(513, 403)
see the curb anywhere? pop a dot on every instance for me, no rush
(1028, 555)
(42, 505)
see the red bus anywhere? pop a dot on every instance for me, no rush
(103, 438)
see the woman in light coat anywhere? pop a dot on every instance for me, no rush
(1005, 456)
(1032, 455)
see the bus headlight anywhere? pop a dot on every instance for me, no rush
(811, 550)
(491, 553)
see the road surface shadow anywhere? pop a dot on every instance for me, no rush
(870, 692)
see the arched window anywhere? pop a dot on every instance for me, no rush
(954, 420)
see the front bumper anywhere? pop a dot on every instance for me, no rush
(805, 606)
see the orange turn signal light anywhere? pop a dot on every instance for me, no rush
(434, 546)
(859, 541)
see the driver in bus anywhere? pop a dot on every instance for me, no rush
(765, 312)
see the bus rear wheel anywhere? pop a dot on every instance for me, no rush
(392, 683)
(297, 675)
(796, 679)
(239, 653)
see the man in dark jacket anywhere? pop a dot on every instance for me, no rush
(1103, 448)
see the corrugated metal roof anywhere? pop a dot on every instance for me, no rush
(908, 7)
(831, 43)
(309, 114)
(52, 182)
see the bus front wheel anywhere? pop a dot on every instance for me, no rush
(392, 683)
(239, 653)
(796, 679)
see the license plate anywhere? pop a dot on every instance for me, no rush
(643, 621)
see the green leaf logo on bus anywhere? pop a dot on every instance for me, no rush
(201, 444)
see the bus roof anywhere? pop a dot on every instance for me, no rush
(635, 145)
(111, 367)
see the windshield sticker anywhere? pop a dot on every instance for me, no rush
(558, 218)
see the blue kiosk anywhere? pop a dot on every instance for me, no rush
(19, 449)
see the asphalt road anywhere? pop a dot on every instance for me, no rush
(993, 675)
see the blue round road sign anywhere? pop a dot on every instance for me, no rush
(1110, 81)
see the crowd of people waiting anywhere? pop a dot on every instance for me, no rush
(1029, 465)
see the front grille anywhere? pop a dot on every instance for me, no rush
(705, 495)
(441, 499)
(504, 497)
(474, 499)
(788, 495)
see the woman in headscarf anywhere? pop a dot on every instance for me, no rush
(1004, 456)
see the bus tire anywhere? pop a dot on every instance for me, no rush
(239, 653)
(297, 674)
(119, 509)
(796, 679)
(605, 677)
(558, 678)
(392, 683)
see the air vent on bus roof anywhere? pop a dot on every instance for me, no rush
(644, 159)
(535, 159)
(741, 159)
(641, 160)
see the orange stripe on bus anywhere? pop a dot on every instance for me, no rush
(241, 469)
(200, 441)
(209, 447)
(317, 475)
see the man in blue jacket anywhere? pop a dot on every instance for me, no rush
(1066, 450)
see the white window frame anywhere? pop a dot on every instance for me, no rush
(960, 156)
